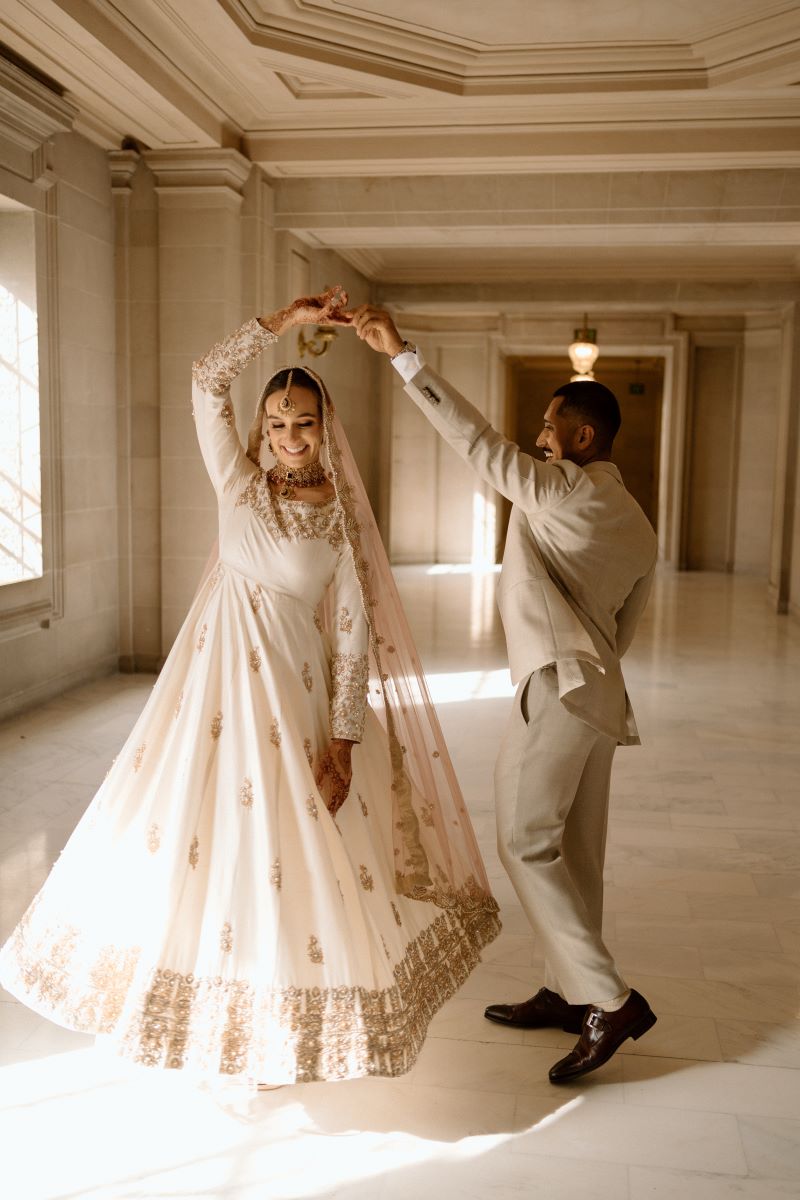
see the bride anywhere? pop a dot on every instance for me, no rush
(278, 878)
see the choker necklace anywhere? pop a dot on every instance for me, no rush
(288, 478)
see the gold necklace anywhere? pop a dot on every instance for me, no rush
(286, 479)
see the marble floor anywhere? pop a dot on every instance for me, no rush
(703, 904)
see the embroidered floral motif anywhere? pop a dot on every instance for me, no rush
(345, 621)
(178, 706)
(308, 751)
(349, 679)
(226, 938)
(363, 804)
(275, 732)
(216, 576)
(225, 1025)
(435, 754)
(216, 726)
(292, 520)
(311, 807)
(255, 659)
(426, 815)
(385, 947)
(275, 875)
(139, 756)
(307, 677)
(255, 598)
(367, 881)
(226, 412)
(216, 370)
(315, 950)
(246, 793)
(194, 852)
(201, 641)
(318, 623)
(153, 838)
(396, 913)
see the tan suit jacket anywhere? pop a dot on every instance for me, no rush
(578, 562)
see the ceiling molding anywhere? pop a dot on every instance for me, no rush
(384, 46)
(448, 151)
(199, 169)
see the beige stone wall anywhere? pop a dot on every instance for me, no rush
(757, 445)
(34, 661)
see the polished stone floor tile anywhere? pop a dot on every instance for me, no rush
(702, 908)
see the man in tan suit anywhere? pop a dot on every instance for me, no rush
(577, 569)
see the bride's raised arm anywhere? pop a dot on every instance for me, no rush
(213, 374)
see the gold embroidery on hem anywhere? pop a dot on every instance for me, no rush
(333, 1033)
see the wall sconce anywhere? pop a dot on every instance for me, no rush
(583, 352)
(319, 343)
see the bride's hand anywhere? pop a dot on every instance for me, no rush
(328, 308)
(335, 773)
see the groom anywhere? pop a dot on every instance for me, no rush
(577, 569)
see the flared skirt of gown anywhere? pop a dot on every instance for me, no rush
(208, 912)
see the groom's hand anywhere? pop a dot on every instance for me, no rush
(375, 327)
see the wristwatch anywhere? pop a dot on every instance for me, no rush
(406, 347)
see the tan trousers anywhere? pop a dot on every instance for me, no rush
(552, 783)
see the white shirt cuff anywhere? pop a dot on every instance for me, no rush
(408, 364)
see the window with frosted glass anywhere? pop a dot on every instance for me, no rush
(20, 453)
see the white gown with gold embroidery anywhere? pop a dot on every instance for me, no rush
(208, 912)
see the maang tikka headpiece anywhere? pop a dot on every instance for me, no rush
(286, 404)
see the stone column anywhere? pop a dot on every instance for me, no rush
(200, 244)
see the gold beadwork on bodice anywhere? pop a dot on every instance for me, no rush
(293, 520)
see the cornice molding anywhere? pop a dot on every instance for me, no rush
(123, 165)
(375, 45)
(31, 112)
(224, 169)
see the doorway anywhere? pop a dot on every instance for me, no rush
(638, 384)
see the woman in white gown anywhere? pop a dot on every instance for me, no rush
(243, 897)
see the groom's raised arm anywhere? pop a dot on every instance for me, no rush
(497, 460)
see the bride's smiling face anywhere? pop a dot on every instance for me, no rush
(296, 436)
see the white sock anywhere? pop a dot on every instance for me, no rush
(616, 1003)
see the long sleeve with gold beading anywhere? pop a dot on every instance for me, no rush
(349, 662)
(212, 376)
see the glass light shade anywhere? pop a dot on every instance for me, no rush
(583, 354)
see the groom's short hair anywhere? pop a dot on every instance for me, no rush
(588, 402)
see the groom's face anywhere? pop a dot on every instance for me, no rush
(559, 434)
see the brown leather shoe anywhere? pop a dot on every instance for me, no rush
(545, 1010)
(602, 1035)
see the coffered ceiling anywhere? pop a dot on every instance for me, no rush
(385, 94)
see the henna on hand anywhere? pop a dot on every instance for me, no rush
(335, 773)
